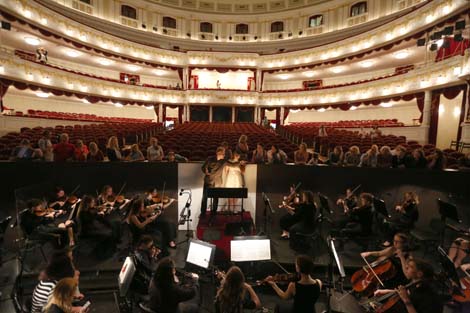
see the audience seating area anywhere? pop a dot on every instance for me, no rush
(352, 123)
(198, 140)
(79, 117)
(127, 133)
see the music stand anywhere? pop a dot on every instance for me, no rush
(238, 193)
(448, 210)
(250, 248)
(448, 266)
(334, 259)
(380, 207)
(267, 208)
(200, 253)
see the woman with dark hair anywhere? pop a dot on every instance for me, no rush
(306, 223)
(305, 291)
(437, 161)
(359, 218)
(142, 223)
(407, 216)
(301, 156)
(242, 147)
(167, 295)
(335, 157)
(419, 159)
(234, 295)
(276, 156)
(259, 154)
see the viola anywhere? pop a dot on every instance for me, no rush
(464, 295)
(291, 197)
(365, 282)
(280, 279)
(44, 211)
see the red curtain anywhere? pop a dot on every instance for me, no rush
(466, 91)
(286, 114)
(455, 48)
(420, 104)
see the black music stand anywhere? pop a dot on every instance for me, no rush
(380, 207)
(238, 193)
(448, 211)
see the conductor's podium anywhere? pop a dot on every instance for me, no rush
(222, 229)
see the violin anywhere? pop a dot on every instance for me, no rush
(349, 196)
(366, 280)
(44, 211)
(279, 278)
(72, 199)
(294, 194)
(389, 303)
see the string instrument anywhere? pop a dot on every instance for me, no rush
(348, 197)
(389, 303)
(291, 197)
(464, 293)
(161, 199)
(112, 200)
(44, 211)
(72, 199)
(279, 278)
(366, 280)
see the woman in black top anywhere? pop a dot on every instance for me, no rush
(407, 216)
(291, 217)
(61, 299)
(305, 291)
(142, 223)
(166, 294)
(234, 295)
(360, 217)
(419, 159)
(306, 213)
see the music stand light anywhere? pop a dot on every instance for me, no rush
(250, 248)
(334, 253)
(200, 253)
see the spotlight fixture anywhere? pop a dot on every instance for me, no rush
(244, 38)
(144, 26)
(230, 38)
(188, 34)
(290, 34)
(203, 36)
(216, 37)
(165, 31)
(256, 37)
(279, 36)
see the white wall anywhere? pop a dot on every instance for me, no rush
(25, 100)
(404, 111)
(229, 80)
(448, 123)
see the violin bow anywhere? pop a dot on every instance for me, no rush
(373, 272)
(354, 190)
(122, 189)
(75, 189)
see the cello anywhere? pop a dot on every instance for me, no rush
(366, 280)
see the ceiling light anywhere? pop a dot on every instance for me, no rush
(2, 69)
(42, 94)
(457, 70)
(367, 63)
(446, 9)
(401, 54)
(32, 41)
(104, 62)
(149, 107)
(85, 101)
(321, 110)
(441, 109)
(159, 72)
(353, 108)
(44, 21)
(284, 76)
(389, 36)
(386, 105)
(337, 69)
(28, 14)
(72, 53)
(133, 68)
(429, 18)
(457, 111)
(118, 105)
(309, 74)
(440, 42)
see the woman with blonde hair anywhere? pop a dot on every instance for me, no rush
(113, 151)
(231, 296)
(385, 157)
(61, 299)
(301, 156)
(136, 155)
(242, 147)
(369, 159)
(352, 157)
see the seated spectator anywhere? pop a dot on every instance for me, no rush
(437, 161)
(276, 156)
(95, 154)
(63, 151)
(315, 160)
(81, 151)
(335, 158)
(154, 151)
(352, 157)
(322, 132)
(464, 162)
(113, 152)
(385, 157)
(24, 152)
(369, 159)
(375, 132)
(62, 297)
(362, 133)
(136, 155)
(419, 160)
(242, 147)
(175, 157)
(402, 159)
(228, 151)
(301, 156)
(46, 147)
(259, 154)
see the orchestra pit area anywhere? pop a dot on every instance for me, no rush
(219, 156)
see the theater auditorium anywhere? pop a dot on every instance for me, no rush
(281, 156)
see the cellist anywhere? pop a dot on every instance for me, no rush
(421, 296)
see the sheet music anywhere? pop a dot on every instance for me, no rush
(199, 255)
(250, 250)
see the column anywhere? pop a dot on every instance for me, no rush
(185, 77)
(160, 113)
(427, 108)
(210, 114)
(466, 117)
(281, 119)
(258, 80)
(257, 115)
(233, 114)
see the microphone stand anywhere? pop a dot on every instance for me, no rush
(185, 217)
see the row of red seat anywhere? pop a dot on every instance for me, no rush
(350, 123)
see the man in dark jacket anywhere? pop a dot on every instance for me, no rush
(212, 169)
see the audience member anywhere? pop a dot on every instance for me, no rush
(95, 154)
(81, 151)
(234, 294)
(154, 151)
(23, 152)
(135, 155)
(259, 155)
(175, 157)
(369, 159)
(402, 159)
(45, 144)
(375, 132)
(437, 161)
(167, 295)
(322, 131)
(385, 157)
(113, 152)
(228, 151)
(419, 160)
(352, 157)
(362, 133)
(242, 147)
(335, 157)
(276, 156)
(63, 151)
(301, 156)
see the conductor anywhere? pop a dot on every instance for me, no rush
(212, 169)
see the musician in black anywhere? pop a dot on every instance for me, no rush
(407, 216)
(58, 198)
(306, 213)
(156, 203)
(359, 218)
(146, 256)
(108, 203)
(290, 218)
(213, 169)
(420, 296)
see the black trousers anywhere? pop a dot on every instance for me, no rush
(215, 201)
(167, 228)
(288, 220)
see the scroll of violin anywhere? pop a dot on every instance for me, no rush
(290, 199)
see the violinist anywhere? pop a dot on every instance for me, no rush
(305, 291)
(92, 224)
(349, 202)
(156, 204)
(420, 297)
(398, 255)
(359, 218)
(58, 198)
(290, 203)
(407, 216)
(141, 222)
(39, 222)
(146, 256)
(459, 250)
(110, 204)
